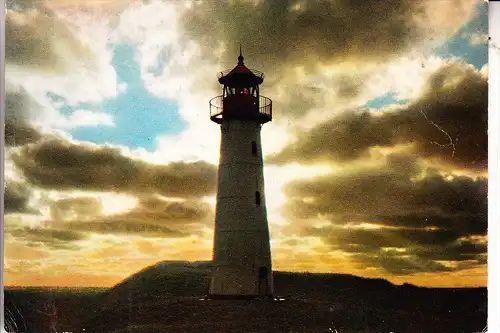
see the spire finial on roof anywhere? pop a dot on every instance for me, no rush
(240, 58)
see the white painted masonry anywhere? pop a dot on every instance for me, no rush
(242, 254)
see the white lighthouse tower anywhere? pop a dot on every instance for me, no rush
(242, 253)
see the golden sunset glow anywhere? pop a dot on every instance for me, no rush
(375, 163)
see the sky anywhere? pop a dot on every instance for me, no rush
(375, 161)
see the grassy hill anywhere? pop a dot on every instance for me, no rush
(166, 298)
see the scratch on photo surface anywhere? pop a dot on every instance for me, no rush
(450, 144)
(11, 324)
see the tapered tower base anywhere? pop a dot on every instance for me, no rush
(242, 266)
(242, 254)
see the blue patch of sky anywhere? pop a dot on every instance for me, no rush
(459, 44)
(139, 116)
(67, 109)
(385, 100)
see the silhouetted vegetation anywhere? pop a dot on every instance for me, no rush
(166, 298)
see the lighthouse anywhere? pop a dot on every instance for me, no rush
(241, 252)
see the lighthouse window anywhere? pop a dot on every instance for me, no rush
(257, 198)
(262, 272)
(254, 148)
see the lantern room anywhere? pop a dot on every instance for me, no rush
(240, 97)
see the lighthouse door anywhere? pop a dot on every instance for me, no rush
(263, 284)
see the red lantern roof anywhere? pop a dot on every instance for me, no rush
(240, 68)
(241, 76)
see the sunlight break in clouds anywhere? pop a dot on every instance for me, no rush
(345, 165)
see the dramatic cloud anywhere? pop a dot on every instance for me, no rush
(24, 117)
(171, 212)
(400, 205)
(19, 135)
(19, 110)
(394, 194)
(398, 264)
(40, 40)
(78, 218)
(410, 251)
(153, 217)
(54, 238)
(386, 192)
(447, 123)
(57, 164)
(425, 243)
(16, 198)
(308, 32)
(50, 50)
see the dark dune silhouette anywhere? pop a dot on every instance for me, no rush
(166, 298)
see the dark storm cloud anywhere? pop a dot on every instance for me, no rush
(370, 240)
(456, 251)
(423, 249)
(152, 217)
(279, 37)
(16, 198)
(56, 164)
(420, 259)
(74, 219)
(152, 209)
(34, 38)
(19, 109)
(428, 216)
(275, 34)
(149, 208)
(51, 237)
(388, 195)
(171, 212)
(343, 138)
(468, 222)
(20, 134)
(386, 190)
(448, 123)
(397, 264)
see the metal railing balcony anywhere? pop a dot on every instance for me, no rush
(264, 107)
